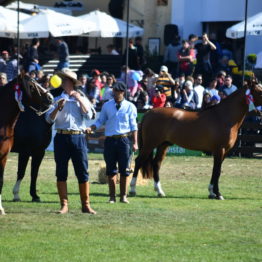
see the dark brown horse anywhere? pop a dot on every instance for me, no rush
(13, 96)
(213, 130)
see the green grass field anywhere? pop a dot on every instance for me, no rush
(183, 226)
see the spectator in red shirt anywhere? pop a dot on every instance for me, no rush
(159, 99)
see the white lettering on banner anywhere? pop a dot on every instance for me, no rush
(32, 34)
(176, 150)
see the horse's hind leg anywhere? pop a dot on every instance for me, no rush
(35, 164)
(142, 156)
(213, 187)
(22, 163)
(159, 157)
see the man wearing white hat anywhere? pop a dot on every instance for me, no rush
(69, 113)
(167, 82)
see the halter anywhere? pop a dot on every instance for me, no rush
(19, 96)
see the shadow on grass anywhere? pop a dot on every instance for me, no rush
(32, 202)
(195, 197)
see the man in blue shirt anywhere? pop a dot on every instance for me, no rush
(119, 117)
(69, 114)
(228, 88)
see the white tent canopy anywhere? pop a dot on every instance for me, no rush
(254, 27)
(45, 22)
(8, 22)
(108, 26)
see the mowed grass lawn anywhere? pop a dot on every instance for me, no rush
(183, 226)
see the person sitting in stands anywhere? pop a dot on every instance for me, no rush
(3, 79)
(228, 88)
(159, 99)
(189, 99)
(141, 98)
(93, 92)
(166, 81)
(107, 90)
(211, 89)
(150, 78)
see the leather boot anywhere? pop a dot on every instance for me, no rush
(112, 189)
(84, 196)
(62, 192)
(123, 189)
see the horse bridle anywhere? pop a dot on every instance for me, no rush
(39, 88)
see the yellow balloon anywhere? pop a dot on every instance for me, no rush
(55, 81)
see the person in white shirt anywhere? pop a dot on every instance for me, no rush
(199, 89)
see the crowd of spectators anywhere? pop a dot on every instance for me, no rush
(195, 74)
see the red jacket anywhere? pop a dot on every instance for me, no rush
(159, 101)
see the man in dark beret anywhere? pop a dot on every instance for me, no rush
(119, 118)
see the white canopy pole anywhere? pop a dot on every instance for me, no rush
(245, 39)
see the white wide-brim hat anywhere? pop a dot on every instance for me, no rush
(69, 74)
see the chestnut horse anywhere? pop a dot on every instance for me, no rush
(13, 96)
(212, 130)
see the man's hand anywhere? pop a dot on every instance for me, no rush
(91, 129)
(76, 95)
(135, 147)
(60, 104)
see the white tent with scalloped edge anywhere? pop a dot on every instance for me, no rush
(108, 26)
(254, 27)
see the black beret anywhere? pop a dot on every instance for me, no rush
(119, 86)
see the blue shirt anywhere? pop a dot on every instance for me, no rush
(71, 117)
(117, 122)
(228, 90)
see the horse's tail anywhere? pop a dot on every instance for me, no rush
(146, 164)
(147, 167)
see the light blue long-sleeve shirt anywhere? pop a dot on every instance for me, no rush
(117, 122)
(71, 117)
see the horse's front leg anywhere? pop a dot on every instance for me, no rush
(2, 211)
(22, 163)
(3, 159)
(35, 164)
(214, 182)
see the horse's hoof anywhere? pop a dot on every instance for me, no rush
(161, 195)
(216, 197)
(36, 199)
(2, 212)
(132, 194)
(212, 196)
(16, 200)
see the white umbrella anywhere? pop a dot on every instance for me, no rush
(254, 27)
(57, 24)
(8, 22)
(108, 26)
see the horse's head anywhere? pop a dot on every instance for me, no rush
(34, 95)
(256, 91)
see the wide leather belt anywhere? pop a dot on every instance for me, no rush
(68, 132)
(118, 136)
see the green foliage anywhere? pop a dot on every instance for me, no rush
(184, 226)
